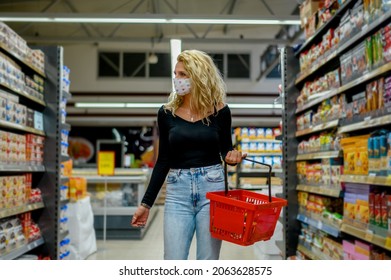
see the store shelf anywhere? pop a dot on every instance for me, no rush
(344, 47)
(367, 236)
(260, 140)
(315, 68)
(319, 33)
(117, 172)
(319, 190)
(21, 168)
(262, 154)
(24, 94)
(66, 95)
(22, 250)
(115, 179)
(319, 155)
(367, 123)
(21, 59)
(20, 209)
(317, 128)
(319, 225)
(308, 253)
(317, 98)
(21, 127)
(254, 170)
(66, 126)
(365, 31)
(118, 211)
(369, 180)
(64, 179)
(328, 94)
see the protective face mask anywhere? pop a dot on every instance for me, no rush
(182, 86)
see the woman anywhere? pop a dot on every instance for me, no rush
(195, 135)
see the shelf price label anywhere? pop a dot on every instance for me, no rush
(106, 163)
(388, 243)
(369, 235)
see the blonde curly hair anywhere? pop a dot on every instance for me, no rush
(208, 89)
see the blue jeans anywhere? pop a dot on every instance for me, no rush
(186, 212)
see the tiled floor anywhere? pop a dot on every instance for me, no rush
(151, 246)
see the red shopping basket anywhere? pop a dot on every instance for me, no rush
(244, 217)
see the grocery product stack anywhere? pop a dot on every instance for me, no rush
(260, 144)
(29, 171)
(342, 164)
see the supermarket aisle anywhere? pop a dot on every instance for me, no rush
(151, 247)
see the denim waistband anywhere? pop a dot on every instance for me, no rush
(196, 170)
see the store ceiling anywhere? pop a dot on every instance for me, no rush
(63, 33)
(69, 33)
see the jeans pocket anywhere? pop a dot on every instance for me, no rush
(215, 176)
(172, 177)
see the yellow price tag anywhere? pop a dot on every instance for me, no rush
(106, 163)
(388, 243)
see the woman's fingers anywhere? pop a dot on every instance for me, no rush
(234, 157)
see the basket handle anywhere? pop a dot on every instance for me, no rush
(261, 163)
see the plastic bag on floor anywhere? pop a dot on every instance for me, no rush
(81, 229)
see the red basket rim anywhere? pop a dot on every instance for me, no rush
(221, 197)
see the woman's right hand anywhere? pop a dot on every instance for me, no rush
(140, 217)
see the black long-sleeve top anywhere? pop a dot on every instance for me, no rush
(184, 144)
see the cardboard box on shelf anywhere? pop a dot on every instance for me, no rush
(307, 9)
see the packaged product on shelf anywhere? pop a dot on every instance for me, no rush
(380, 93)
(64, 192)
(244, 134)
(269, 133)
(38, 121)
(327, 12)
(260, 133)
(386, 6)
(307, 9)
(389, 211)
(389, 154)
(277, 162)
(261, 147)
(377, 49)
(346, 68)
(77, 188)
(357, 17)
(359, 103)
(346, 28)
(383, 154)
(28, 180)
(269, 147)
(386, 38)
(252, 133)
(34, 149)
(30, 117)
(359, 61)
(253, 147)
(248, 164)
(35, 232)
(35, 195)
(383, 210)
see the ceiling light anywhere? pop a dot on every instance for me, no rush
(153, 58)
(100, 105)
(145, 19)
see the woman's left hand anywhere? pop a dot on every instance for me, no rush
(234, 157)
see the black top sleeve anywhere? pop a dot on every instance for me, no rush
(225, 134)
(162, 165)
